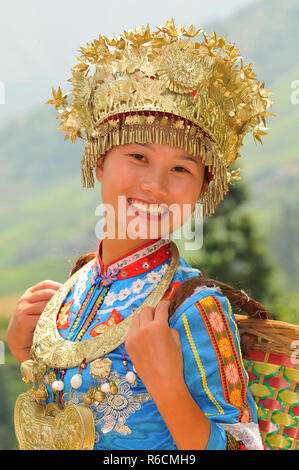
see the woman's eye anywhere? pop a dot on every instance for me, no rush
(184, 169)
(136, 155)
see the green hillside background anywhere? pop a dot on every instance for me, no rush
(47, 219)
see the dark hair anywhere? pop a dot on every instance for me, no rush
(237, 297)
(81, 261)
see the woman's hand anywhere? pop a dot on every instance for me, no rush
(156, 352)
(155, 349)
(23, 322)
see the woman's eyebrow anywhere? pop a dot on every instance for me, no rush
(186, 157)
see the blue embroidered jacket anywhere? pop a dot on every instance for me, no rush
(213, 369)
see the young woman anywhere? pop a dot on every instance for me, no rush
(114, 347)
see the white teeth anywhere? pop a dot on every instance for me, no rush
(152, 209)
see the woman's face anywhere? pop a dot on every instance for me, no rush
(138, 178)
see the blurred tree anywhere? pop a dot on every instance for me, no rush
(283, 242)
(234, 251)
(287, 307)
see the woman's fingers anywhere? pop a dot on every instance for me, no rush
(34, 308)
(134, 328)
(146, 315)
(146, 323)
(28, 310)
(41, 295)
(161, 311)
(46, 284)
(27, 324)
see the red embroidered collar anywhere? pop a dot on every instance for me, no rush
(134, 263)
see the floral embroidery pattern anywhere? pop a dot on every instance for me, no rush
(231, 373)
(110, 276)
(137, 286)
(152, 278)
(139, 254)
(110, 298)
(124, 293)
(131, 300)
(64, 316)
(116, 409)
(216, 321)
(230, 367)
(235, 398)
(114, 319)
(225, 348)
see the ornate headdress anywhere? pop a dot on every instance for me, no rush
(164, 87)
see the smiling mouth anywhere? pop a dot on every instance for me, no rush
(149, 209)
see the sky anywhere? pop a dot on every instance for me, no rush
(40, 40)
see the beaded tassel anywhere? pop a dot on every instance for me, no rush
(130, 376)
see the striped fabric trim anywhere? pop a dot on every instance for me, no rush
(230, 367)
(236, 333)
(200, 366)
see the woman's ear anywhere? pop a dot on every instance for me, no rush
(99, 168)
(204, 188)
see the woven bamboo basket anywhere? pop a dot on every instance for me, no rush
(272, 365)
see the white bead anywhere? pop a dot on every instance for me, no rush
(105, 387)
(130, 377)
(58, 385)
(76, 381)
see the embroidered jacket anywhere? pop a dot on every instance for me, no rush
(213, 369)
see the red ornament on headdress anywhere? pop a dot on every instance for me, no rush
(210, 176)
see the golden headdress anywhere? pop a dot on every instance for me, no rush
(164, 87)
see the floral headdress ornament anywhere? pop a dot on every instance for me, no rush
(161, 86)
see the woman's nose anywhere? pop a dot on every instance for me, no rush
(154, 184)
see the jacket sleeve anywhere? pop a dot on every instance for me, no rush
(213, 369)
